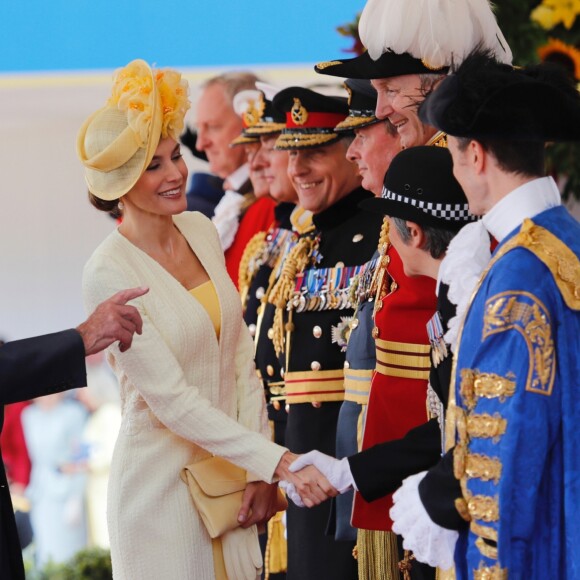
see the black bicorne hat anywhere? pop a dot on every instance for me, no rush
(362, 102)
(486, 99)
(419, 186)
(389, 64)
(310, 118)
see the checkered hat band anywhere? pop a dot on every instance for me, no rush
(445, 211)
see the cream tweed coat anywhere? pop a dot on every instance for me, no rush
(184, 396)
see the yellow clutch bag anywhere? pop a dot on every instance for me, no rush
(216, 487)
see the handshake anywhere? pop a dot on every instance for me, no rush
(312, 478)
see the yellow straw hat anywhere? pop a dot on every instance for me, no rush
(117, 142)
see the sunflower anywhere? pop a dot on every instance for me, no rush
(561, 53)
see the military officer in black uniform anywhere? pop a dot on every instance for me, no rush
(314, 307)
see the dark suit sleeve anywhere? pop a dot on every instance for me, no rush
(438, 491)
(380, 470)
(39, 366)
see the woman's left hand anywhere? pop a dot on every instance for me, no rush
(259, 503)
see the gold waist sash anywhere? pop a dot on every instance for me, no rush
(314, 386)
(403, 359)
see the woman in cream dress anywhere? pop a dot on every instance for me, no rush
(188, 384)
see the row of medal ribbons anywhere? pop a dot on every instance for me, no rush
(327, 288)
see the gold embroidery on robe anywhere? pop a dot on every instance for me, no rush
(479, 466)
(483, 531)
(490, 573)
(485, 426)
(483, 507)
(485, 549)
(523, 312)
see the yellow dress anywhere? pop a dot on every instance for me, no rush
(206, 295)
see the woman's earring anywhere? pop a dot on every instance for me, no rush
(120, 206)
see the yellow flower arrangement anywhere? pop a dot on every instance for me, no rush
(132, 88)
(174, 93)
(553, 12)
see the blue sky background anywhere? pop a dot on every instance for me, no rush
(68, 35)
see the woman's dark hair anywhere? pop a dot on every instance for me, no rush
(111, 207)
(437, 240)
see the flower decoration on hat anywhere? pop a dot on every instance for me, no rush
(174, 93)
(116, 143)
(132, 87)
(131, 93)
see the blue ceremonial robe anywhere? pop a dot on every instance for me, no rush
(518, 408)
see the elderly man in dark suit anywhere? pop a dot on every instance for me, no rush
(47, 364)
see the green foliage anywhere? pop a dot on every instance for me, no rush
(525, 37)
(522, 34)
(87, 564)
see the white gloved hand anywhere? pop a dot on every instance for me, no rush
(291, 493)
(337, 471)
(242, 556)
(430, 543)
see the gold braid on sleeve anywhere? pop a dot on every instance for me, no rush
(246, 272)
(296, 261)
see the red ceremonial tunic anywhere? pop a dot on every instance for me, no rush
(257, 218)
(398, 396)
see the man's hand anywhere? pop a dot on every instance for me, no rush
(309, 485)
(309, 488)
(259, 503)
(112, 320)
(336, 471)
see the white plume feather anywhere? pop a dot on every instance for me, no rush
(439, 32)
(242, 100)
(270, 91)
